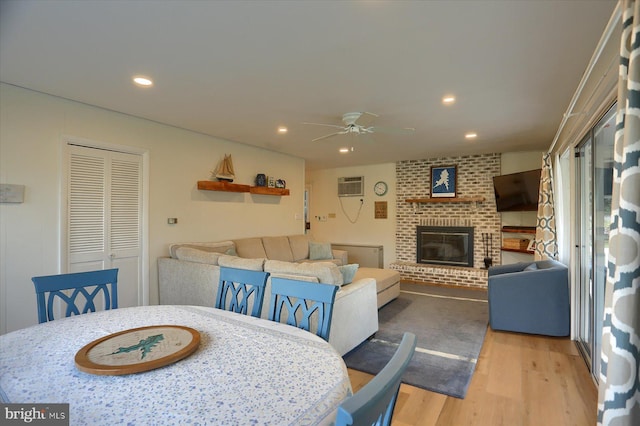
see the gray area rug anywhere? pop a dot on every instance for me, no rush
(450, 325)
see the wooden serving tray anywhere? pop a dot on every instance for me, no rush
(137, 350)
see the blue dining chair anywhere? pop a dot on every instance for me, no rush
(373, 404)
(307, 297)
(88, 284)
(236, 288)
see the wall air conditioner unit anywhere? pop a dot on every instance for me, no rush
(351, 186)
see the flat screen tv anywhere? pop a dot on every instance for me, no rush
(517, 192)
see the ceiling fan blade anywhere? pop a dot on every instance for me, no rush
(325, 125)
(328, 136)
(366, 118)
(392, 130)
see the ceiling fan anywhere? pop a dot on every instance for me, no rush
(351, 126)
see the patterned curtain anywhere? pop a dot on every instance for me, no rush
(546, 246)
(619, 392)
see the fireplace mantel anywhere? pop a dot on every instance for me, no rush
(446, 200)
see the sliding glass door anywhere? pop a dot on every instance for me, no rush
(594, 169)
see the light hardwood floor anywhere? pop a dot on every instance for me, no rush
(519, 380)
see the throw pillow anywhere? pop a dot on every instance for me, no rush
(241, 263)
(217, 247)
(325, 272)
(198, 256)
(531, 267)
(348, 272)
(231, 251)
(320, 251)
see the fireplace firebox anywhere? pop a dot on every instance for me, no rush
(445, 245)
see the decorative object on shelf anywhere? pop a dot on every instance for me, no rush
(380, 188)
(515, 243)
(224, 171)
(532, 245)
(281, 183)
(444, 180)
(271, 182)
(261, 179)
(487, 244)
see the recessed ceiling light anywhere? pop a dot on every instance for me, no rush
(471, 135)
(142, 81)
(282, 129)
(448, 99)
(344, 150)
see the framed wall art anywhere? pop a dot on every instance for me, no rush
(444, 180)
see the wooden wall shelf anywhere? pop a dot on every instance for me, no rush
(446, 200)
(264, 190)
(518, 250)
(210, 185)
(519, 229)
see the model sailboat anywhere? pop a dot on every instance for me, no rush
(225, 172)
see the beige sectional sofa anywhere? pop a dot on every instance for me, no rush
(190, 277)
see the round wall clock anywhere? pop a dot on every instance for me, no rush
(380, 188)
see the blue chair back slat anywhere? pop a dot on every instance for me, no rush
(87, 284)
(236, 288)
(375, 402)
(303, 299)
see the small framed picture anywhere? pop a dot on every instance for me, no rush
(532, 245)
(444, 180)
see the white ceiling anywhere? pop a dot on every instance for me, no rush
(239, 69)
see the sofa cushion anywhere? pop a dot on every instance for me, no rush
(250, 248)
(217, 247)
(199, 256)
(295, 277)
(348, 272)
(326, 272)
(320, 251)
(277, 248)
(385, 278)
(241, 263)
(299, 247)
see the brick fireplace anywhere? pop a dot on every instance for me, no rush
(475, 175)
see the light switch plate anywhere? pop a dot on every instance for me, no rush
(11, 193)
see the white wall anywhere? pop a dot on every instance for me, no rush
(513, 162)
(324, 200)
(32, 130)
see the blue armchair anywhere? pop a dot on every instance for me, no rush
(530, 297)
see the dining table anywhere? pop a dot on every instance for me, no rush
(245, 371)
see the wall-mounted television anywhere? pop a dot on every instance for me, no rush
(517, 192)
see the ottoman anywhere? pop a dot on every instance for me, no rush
(387, 283)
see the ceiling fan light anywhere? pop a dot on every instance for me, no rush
(142, 81)
(282, 130)
(344, 150)
(471, 135)
(448, 99)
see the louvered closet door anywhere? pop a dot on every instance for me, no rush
(105, 216)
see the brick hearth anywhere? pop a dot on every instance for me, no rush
(475, 175)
